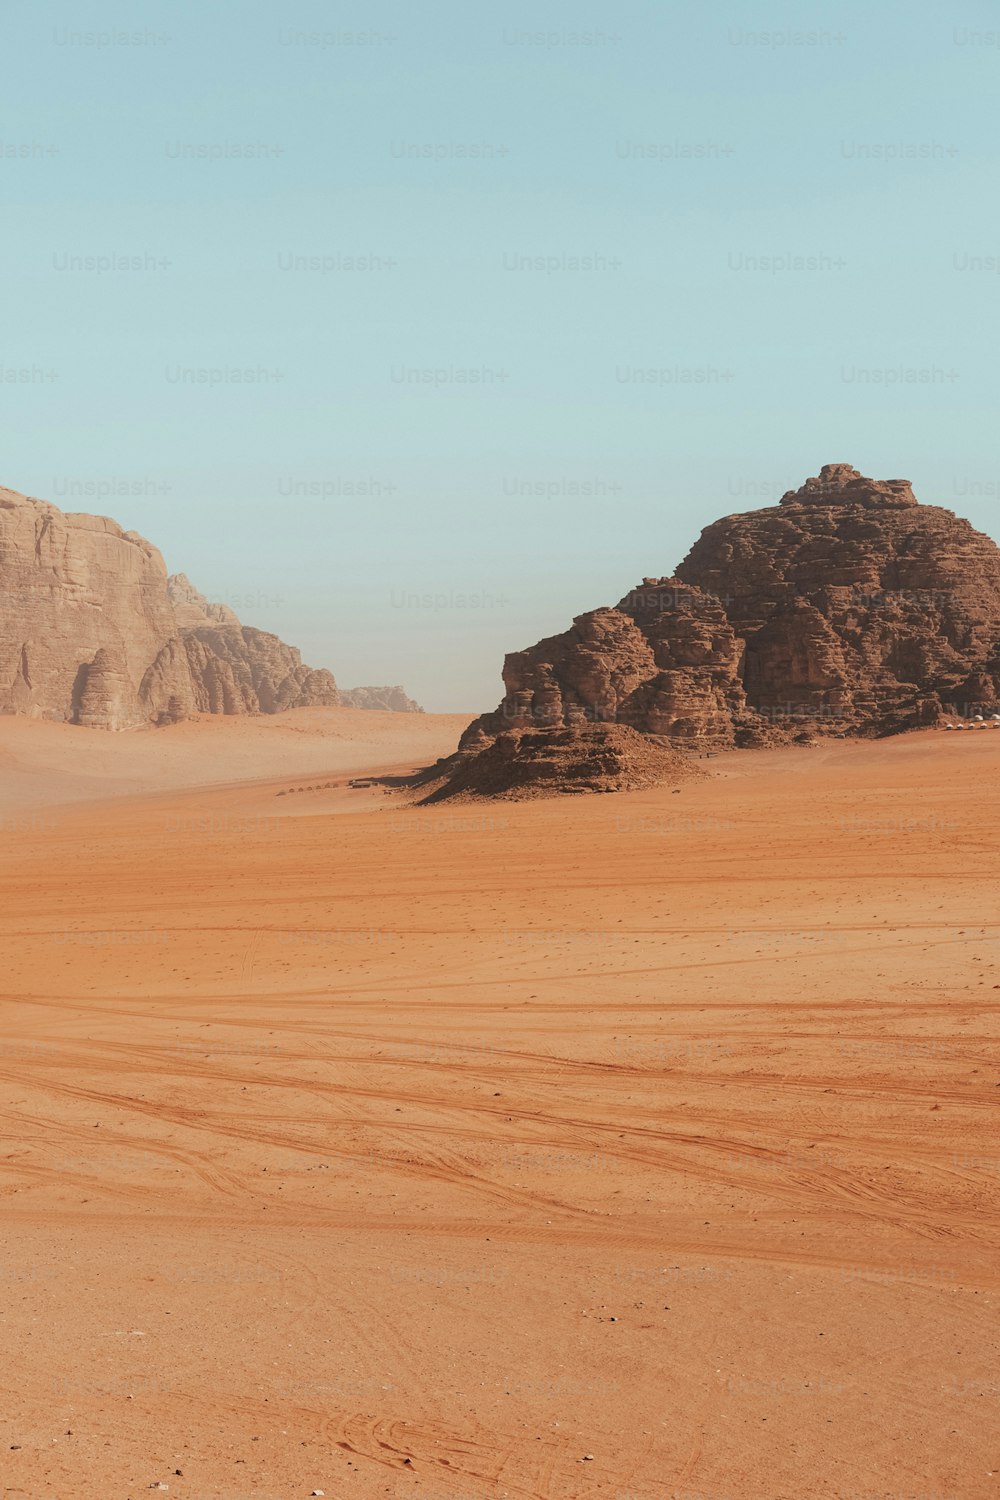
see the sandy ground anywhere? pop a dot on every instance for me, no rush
(633, 1147)
(44, 765)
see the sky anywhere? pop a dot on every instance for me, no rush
(412, 330)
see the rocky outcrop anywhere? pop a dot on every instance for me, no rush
(664, 661)
(523, 763)
(192, 609)
(848, 608)
(393, 699)
(859, 607)
(93, 632)
(105, 693)
(236, 669)
(70, 586)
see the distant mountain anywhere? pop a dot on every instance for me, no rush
(94, 632)
(393, 698)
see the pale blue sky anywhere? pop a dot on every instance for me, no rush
(676, 148)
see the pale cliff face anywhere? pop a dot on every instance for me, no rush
(92, 631)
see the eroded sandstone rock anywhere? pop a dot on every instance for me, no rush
(93, 632)
(105, 695)
(71, 585)
(849, 608)
(664, 661)
(855, 602)
(522, 763)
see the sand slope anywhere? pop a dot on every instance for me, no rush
(45, 765)
(630, 1146)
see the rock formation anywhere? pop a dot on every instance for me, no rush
(236, 669)
(848, 608)
(393, 699)
(522, 763)
(94, 632)
(70, 587)
(105, 693)
(856, 603)
(664, 661)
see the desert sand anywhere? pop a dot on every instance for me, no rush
(634, 1147)
(45, 764)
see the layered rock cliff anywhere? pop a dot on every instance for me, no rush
(72, 587)
(94, 632)
(236, 669)
(848, 608)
